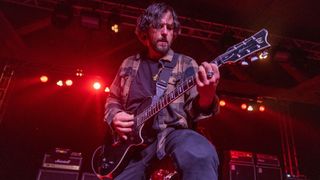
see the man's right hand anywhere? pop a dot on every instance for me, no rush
(122, 123)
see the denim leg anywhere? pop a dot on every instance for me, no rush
(195, 157)
(136, 170)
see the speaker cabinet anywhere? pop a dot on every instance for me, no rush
(239, 171)
(46, 174)
(89, 176)
(267, 173)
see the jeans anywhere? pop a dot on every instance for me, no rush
(194, 156)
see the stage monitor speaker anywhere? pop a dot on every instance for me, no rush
(239, 171)
(46, 174)
(267, 173)
(89, 176)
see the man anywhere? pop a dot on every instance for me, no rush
(138, 78)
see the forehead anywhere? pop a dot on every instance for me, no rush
(166, 18)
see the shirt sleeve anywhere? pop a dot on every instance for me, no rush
(113, 103)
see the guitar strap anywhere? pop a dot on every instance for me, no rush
(164, 76)
(161, 87)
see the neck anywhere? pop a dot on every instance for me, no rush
(154, 55)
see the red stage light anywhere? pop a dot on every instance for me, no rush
(250, 108)
(107, 90)
(44, 79)
(96, 85)
(222, 103)
(69, 82)
(60, 83)
(79, 72)
(262, 108)
(244, 106)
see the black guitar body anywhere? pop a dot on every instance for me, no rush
(112, 158)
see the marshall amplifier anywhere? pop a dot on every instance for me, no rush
(49, 174)
(62, 159)
(268, 173)
(238, 171)
(239, 157)
(267, 160)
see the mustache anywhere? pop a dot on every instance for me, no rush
(163, 40)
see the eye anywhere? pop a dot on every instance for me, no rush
(170, 26)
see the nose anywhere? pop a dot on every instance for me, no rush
(164, 30)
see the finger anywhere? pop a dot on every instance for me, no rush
(124, 130)
(209, 72)
(216, 74)
(200, 76)
(207, 66)
(215, 69)
(123, 117)
(125, 124)
(127, 117)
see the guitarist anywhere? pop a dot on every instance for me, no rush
(194, 156)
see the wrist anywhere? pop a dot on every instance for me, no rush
(205, 102)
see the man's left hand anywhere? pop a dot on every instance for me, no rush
(207, 80)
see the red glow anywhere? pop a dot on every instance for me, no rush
(44, 78)
(262, 108)
(222, 103)
(69, 82)
(107, 89)
(244, 106)
(96, 85)
(60, 83)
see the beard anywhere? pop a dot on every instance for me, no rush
(161, 46)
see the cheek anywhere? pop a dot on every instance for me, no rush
(170, 37)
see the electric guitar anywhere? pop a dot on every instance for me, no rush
(110, 159)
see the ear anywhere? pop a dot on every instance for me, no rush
(144, 37)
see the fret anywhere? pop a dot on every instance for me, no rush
(176, 93)
(185, 85)
(157, 106)
(166, 101)
(171, 96)
(162, 102)
(190, 82)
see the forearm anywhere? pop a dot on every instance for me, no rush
(112, 107)
(198, 112)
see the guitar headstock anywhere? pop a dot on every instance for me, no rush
(250, 46)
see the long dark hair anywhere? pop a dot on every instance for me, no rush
(151, 18)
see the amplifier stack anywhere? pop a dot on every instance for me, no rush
(240, 165)
(60, 164)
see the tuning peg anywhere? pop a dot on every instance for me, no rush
(244, 63)
(254, 58)
(264, 55)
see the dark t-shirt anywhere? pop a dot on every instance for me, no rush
(143, 86)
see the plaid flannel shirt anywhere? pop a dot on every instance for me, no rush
(181, 113)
